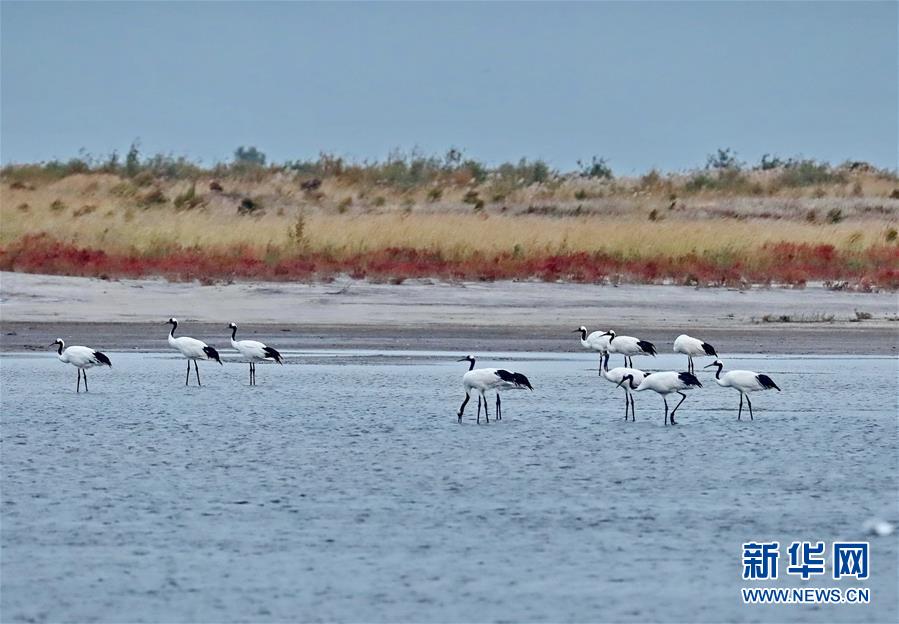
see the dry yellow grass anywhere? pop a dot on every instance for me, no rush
(105, 211)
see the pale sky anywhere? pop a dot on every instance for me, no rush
(642, 84)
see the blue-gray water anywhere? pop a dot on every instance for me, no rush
(341, 488)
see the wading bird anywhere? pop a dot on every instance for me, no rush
(254, 352)
(744, 382)
(693, 347)
(81, 358)
(628, 346)
(597, 341)
(484, 379)
(616, 375)
(192, 349)
(665, 383)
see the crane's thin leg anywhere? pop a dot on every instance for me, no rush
(486, 413)
(499, 416)
(683, 397)
(633, 417)
(462, 407)
(665, 399)
(690, 363)
(84, 372)
(748, 402)
(625, 405)
(740, 411)
(78, 384)
(187, 379)
(254, 373)
(479, 409)
(197, 371)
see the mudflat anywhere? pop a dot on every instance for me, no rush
(428, 315)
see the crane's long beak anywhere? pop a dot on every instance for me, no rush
(463, 360)
(607, 334)
(710, 365)
(576, 331)
(52, 344)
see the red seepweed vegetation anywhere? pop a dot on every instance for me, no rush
(782, 263)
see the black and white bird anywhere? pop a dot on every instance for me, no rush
(596, 341)
(665, 383)
(744, 382)
(192, 349)
(81, 358)
(628, 346)
(693, 347)
(254, 351)
(485, 379)
(616, 375)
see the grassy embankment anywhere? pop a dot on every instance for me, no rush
(414, 217)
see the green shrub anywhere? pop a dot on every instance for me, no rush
(597, 168)
(801, 173)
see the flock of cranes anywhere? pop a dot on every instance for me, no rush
(497, 380)
(631, 379)
(667, 382)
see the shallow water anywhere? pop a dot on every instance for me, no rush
(342, 488)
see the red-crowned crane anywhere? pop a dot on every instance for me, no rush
(597, 341)
(665, 383)
(192, 349)
(81, 358)
(693, 347)
(628, 346)
(253, 351)
(744, 382)
(484, 379)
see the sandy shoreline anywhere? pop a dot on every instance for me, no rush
(496, 316)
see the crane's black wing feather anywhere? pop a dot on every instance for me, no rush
(102, 358)
(212, 354)
(648, 347)
(689, 379)
(709, 349)
(272, 353)
(516, 378)
(767, 382)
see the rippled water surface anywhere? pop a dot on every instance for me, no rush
(342, 488)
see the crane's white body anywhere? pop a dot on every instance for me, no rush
(744, 382)
(693, 347)
(628, 346)
(254, 351)
(81, 358)
(192, 349)
(483, 380)
(250, 349)
(665, 383)
(741, 380)
(616, 375)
